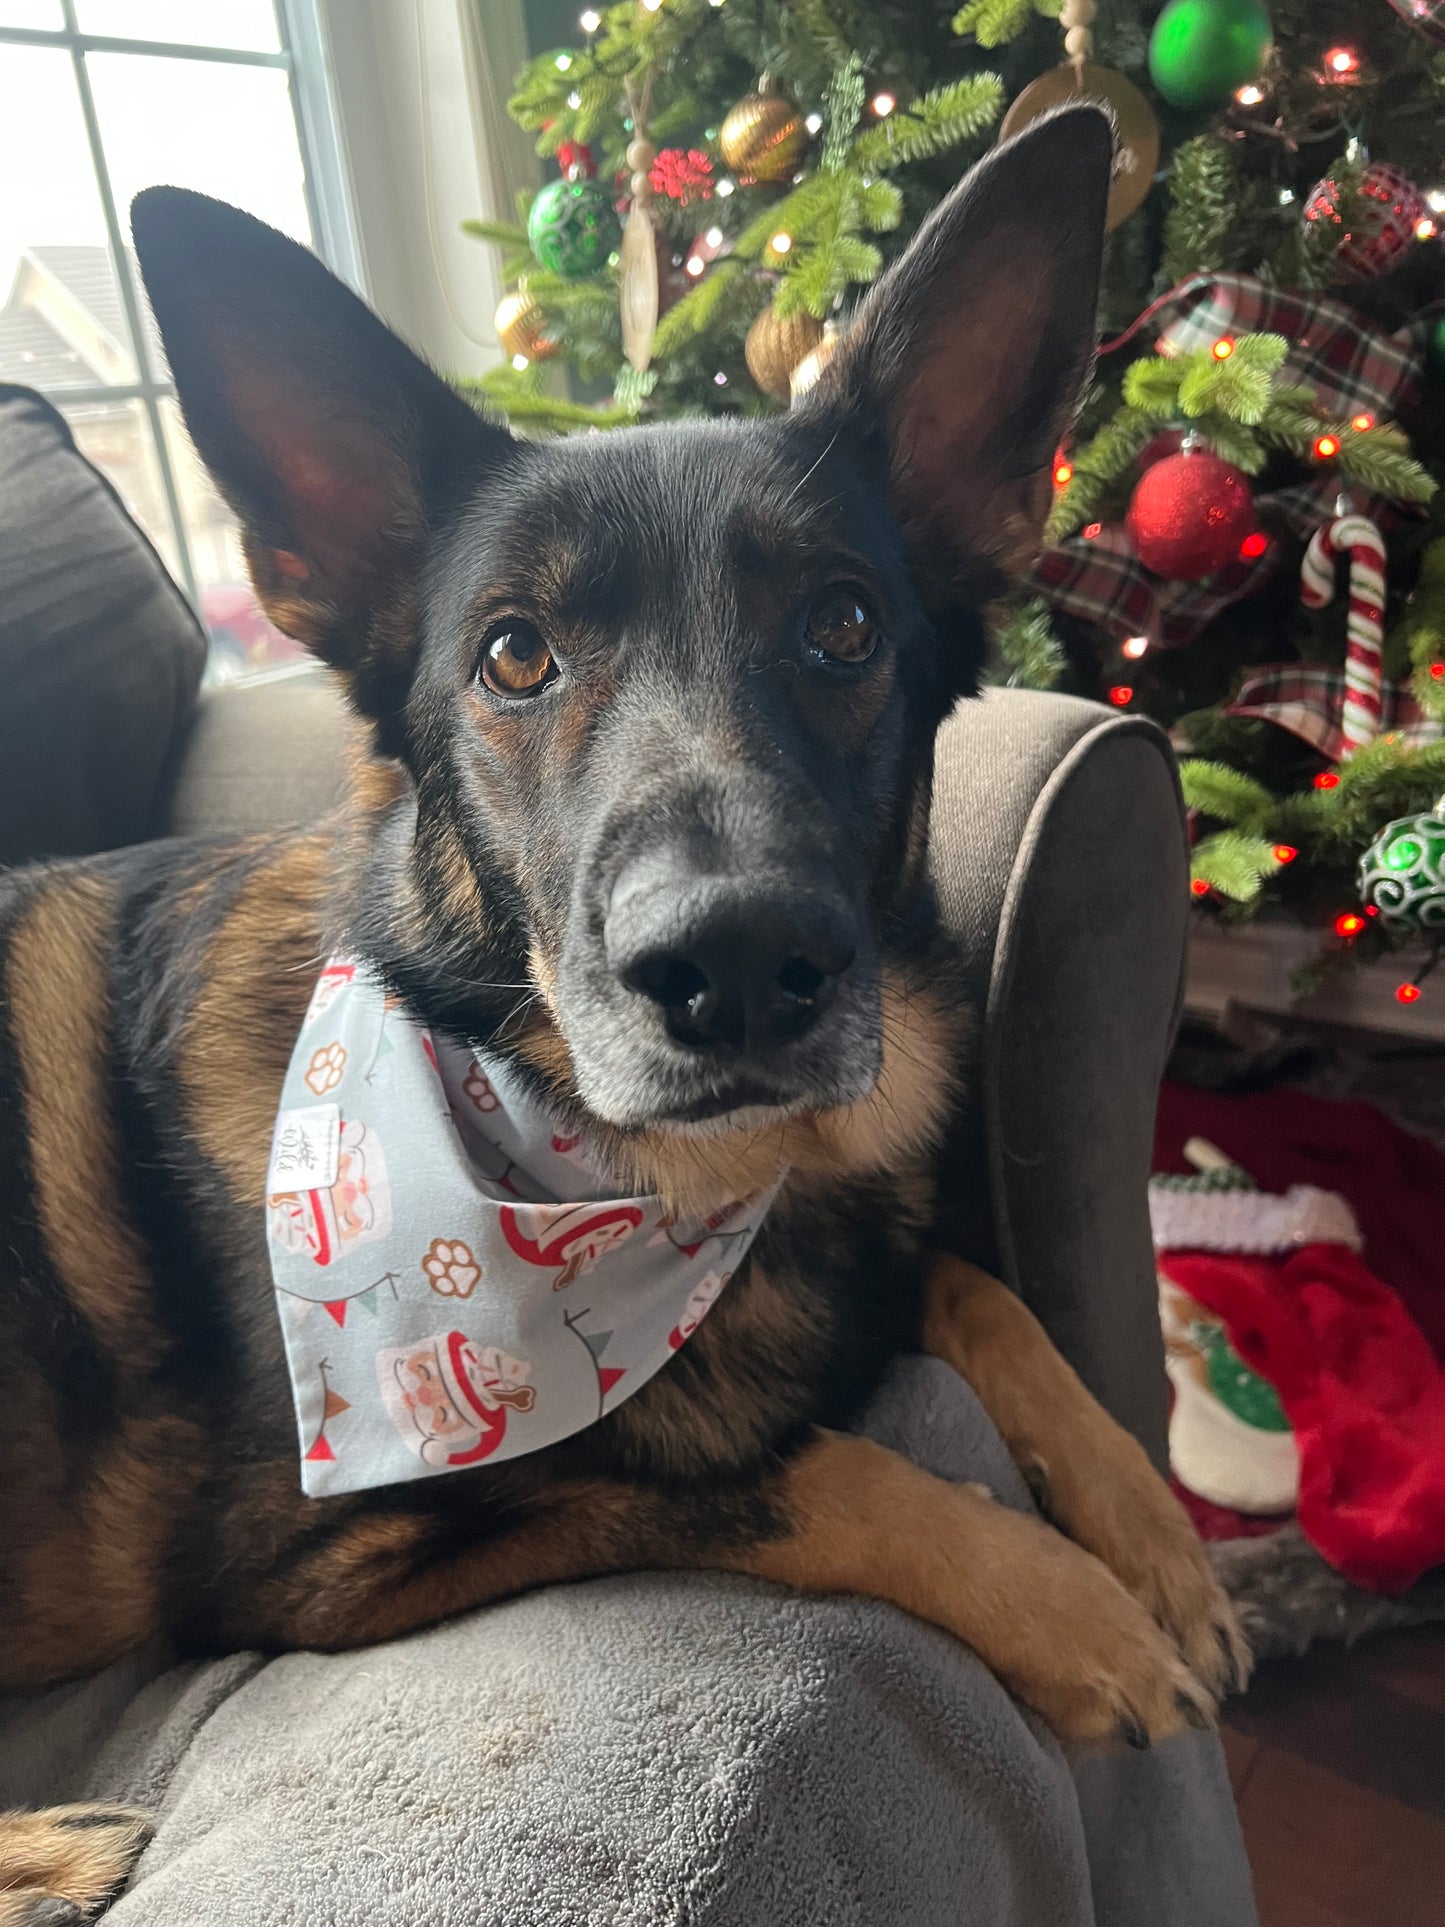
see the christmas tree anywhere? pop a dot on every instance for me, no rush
(1247, 541)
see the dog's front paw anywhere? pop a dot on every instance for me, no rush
(1112, 1502)
(63, 1865)
(1100, 1669)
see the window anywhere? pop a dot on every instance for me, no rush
(98, 99)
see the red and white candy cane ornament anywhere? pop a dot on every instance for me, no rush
(1357, 537)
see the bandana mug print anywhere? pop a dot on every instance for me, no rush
(451, 1286)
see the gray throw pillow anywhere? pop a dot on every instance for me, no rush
(100, 654)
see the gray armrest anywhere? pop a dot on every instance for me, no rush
(1060, 859)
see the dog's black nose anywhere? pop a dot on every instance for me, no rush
(731, 964)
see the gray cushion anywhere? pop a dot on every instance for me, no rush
(100, 654)
(642, 1751)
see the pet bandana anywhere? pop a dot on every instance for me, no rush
(451, 1286)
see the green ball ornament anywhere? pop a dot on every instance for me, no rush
(1201, 50)
(1402, 875)
(572, 228)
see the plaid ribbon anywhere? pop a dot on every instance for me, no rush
(1309, 703)
(1350, 367)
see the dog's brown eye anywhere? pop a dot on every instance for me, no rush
(516, 662)
(841, 625)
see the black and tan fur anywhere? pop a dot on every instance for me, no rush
(149, 1001)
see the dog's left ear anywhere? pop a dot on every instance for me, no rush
(971, 354)
(336, 446)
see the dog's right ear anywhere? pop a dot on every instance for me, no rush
(336, 447)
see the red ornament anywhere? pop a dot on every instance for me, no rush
(1393, 206)
(1189, 515)
(683, 175)
(1427, 15)
(576, 162)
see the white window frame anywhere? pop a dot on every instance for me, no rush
(302, 58)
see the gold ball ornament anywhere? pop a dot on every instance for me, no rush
(805, 375)
(1138, 153)
(774, 348)
(521, 329)
(763, 138)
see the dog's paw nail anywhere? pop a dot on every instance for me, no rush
(1193, 1712)
(1133, 1732)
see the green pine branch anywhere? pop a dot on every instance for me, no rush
(1029, 654)
(935, 122)
(1201, 228)
(1234, 863)
(520, 396)
(1227, 795)
(993, 23)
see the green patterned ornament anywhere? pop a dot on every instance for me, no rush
(573, 227)
(1402, 875)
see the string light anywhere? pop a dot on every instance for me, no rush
(1362, 423)
(1063, 472)
(883, 104)
(574, 100)
(1121, 695)
(590, 21)
(1135, 647)
(1326, 447)
(652, 6)
(1437, 670)
(724, 188)
(1254, 545)
(714, 237)
(1408, 993)
(1249, 95)
(1327, 780)
(720, 379)
(519, 362)
(1342, 61)
(1286, 195)
(1092, 531)
(1349, 923)
(564, 61)
(1436, 199)
(1425, 229)
(1285, 853)
(814, 123)
(781, 242)
(1199, 887)
(695, 264)
(1223, 348)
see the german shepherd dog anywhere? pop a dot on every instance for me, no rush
(649, 724)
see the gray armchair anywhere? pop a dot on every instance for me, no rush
(664, 1747)
(693, 1748)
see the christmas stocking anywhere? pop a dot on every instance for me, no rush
(1229, 1439)
(1299, 1377)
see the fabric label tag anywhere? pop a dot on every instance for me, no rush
(306, 1153)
